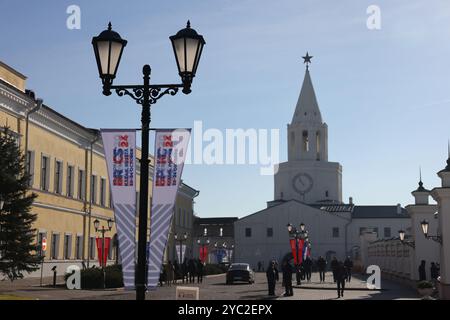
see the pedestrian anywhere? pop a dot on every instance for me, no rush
(184, 270)
(259, 266)
(348, 264)
(334, 264)
(340, 274)
(321, 266)
(176, 268)
(307, 265)
(434, 271)
(422, 272)
(191, 270)
(287, 270)
(272, 277)
(199, 271)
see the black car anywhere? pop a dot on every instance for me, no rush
(240, 272)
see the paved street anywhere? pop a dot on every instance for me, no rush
(214, 287)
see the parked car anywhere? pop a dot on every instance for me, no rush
(240, 272)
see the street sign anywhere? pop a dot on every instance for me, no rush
(187, 293)
(44, 244)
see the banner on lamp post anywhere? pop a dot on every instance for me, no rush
(120, 155)
(183, 252)
(203, 253)
(103, 259)
(170, 153)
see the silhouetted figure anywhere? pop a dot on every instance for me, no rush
(434, 271)
(348, 264)
(272, 277)
(287, 270)
(191, 270)
(422, 271)
(199, 271)
(307, 266)
(341, 275)
(259, 266)
(321, 266)
(334, 264)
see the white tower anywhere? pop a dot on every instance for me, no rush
(307, 175)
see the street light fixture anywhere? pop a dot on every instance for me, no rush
(301, 234)
(425, 224)
(108, 48)
(401, 235)
(103, 230)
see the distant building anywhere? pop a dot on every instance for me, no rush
(219, 232)
(308, 189)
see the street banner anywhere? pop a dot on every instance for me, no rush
(297, 259)
(105, 251)
(294, 249)
(120, 155)
(170, 153)
(183, 252)
(203, 253)
(306, 251)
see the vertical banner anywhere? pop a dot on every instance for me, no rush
(99, 242)
(294, 249)
(301, 245)
(203, 253)
(120, 154)
(181, 255)
(170, 153)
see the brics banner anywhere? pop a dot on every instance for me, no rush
(297, 249)
(120, 155)
(170, 153)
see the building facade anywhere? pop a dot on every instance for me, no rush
(68, 174)
(308, 189)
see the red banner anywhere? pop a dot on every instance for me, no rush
(298, 259)
(105, 252)
(203, 253)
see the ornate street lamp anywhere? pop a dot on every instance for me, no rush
(103, 230)
(181, 239)
(425, 224)
(301, 234)
(401, 235)
(108, 48)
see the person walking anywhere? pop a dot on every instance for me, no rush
(287, 270)
(308, 268)
(169, 273)
(334, 264)
(340, 274)
(191, 270)
(422, 272)
(321, 266)
(199, 271)
(348, 264)
(272, 277)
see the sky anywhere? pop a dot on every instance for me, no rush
(384, 93)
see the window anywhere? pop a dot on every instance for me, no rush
(55, 246)
(70, 181)
(248, 232)
(387, 232)
(79, 248)
(58, 176)
(336, 232)
(81, 184)
(93, 189)
(326, 193)
(179, 216)
(205, 232)
(110, 249)
(221, 232)
(30, 167)
(45, 173)
(102, 192)
(184, 218)
(305, 141)
(67, 246)
(92, 247)
(318, 145)
(269, 232)
(41, 235)
(111, 199)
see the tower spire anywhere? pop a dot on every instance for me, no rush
(421, 188)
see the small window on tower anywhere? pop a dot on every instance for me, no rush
(326, 193)
(318, 145)
(305, 141)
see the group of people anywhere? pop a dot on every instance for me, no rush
(342, 272)
(434, 271)
(188, 271)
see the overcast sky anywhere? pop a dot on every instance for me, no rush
(385, 94)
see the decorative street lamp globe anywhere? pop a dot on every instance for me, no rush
(110, 224)
(108, 48)
(401, 234)
(185, 236)
(289, 227)
(198, 241)
(425, 225)
(96, 224)
(302, 226)
(187, 45)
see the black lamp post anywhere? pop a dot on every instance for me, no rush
(108, 49)
(401, 235)
(103, 230)
(181, 239)
(425, 224)
(301, 234)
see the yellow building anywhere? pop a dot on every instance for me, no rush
(69, 175)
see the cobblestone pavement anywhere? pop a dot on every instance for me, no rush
(214, 287)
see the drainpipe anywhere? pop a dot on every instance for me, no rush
(27, 120)
(92, 142)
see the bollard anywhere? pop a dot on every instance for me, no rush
(54, 276)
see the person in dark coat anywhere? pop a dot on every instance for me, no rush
(341, 275)
(199, 271)
(321, 266)
(272, 277)
(334, 264)
(422, 272)
(191, 270)
(434, 271)
(287, 270)
(348, 264)
(307, 265)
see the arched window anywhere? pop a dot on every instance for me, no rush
(305, 141)
(318, 145)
